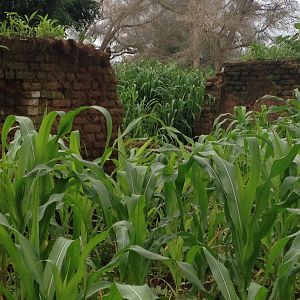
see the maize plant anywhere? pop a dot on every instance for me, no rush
(216, 218)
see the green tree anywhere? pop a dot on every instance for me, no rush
(77, 13)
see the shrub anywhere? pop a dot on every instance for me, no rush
(287, 46)
(33, 26)
(163, 92)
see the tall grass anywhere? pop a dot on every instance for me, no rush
(216, 220)
(163, 92)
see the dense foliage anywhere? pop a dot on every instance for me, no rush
(287, 46)
(33, 26)
(165, 93)
(77, 13)
(217, 217)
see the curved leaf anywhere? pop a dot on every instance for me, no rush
(135, 292)
(222, 277)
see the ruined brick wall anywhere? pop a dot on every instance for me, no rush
(244, 83)
(40, 74)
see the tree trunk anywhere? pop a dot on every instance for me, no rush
(195, 47)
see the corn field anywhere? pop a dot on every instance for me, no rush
(162, 93)
(216, 218)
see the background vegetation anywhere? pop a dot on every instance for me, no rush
(77, 13)
(164, 94)
(284, 47)
(191, 32)
(31, 26)
(216, 220)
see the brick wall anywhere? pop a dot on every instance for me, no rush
(244, 84)
(40, 74)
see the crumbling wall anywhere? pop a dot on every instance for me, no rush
(40, 74)
(245, 83)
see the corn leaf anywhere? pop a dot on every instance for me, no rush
(222, 277)
(133, 292)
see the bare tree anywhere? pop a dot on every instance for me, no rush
(191, 31)
(119, 18)
(218, 29)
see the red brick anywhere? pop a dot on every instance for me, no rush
(34, 67)
(65, 103)
(51, 76)
(91, 138)
(70, 77)
(32, 94)
(50, 58)
(29, 102)
(51, 94)
(48, 67)
(15, 65)
(92, 128)
(9, 74)
(39, 58)
(79, 120)
(80, 86)
(32, 110)
(287, 82)
(36, 86)
(78, 95)
(287, 93)
(83, 76)
(29, 86)
(41, 75)
(24, 75)
(50, 86)
(94, 85)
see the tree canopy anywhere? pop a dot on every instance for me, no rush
(193, 32)
(77, 13)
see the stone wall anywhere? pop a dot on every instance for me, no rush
(39, 74)
(245, 83)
